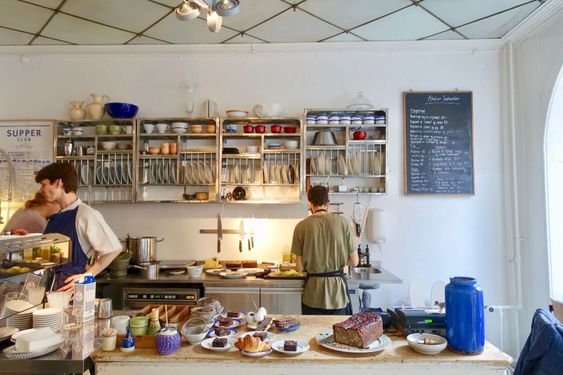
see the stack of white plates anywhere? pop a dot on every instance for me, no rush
(51, 317)
(19, 314)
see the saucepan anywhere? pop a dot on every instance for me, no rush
(149, 270)
(142, 248)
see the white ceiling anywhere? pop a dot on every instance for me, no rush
(118, 22)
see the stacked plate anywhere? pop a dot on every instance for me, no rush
(51, 317)
(19, 314)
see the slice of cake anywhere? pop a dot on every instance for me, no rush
(225, 322)
(233, 314)
(221, 331)
(359, 330)
(261, 335)
(219, 342)
(290, 345)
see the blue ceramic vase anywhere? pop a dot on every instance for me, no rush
(465, 316)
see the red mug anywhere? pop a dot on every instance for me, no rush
(248, 129)
(360, 135)
(260, 128)
(276, 128)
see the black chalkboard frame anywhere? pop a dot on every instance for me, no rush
(469, 125)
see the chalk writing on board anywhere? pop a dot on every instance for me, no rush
(438, 143)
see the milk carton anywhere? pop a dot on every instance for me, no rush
(85, 299)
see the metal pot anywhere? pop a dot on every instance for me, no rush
(149, 270)
(142, 248)
(324, 138)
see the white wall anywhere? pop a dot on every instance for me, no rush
(538, 61)
(428, 239)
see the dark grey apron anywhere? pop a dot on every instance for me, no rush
(339, 273)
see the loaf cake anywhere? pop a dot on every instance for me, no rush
(359, 330)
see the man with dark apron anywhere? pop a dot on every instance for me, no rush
(85, 226)
(324, 244)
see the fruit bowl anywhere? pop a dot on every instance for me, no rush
(121, 110)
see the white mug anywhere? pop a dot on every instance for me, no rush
(162, 128)
(250, 318)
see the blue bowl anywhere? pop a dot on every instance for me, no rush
(121, 110)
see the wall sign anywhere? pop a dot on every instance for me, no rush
(29, 145)
(438, 143)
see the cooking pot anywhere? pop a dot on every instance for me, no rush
(149, 270)
(142, 248)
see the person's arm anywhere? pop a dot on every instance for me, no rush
(353, 259)
(101, 263)
(299, 263)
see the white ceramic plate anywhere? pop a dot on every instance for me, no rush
(208, 344)
(326, 339)
(302, 347)
(177, 272)
(234, 324)
(215, 271)
(269, 338)
(12, 353)
(258, 354)
(241, 315)
(233, 333)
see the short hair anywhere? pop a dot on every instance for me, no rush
(318, 195)
(63, 171)
(38, 200)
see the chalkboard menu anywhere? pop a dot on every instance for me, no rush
(438, 134)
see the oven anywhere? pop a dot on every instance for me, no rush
(139, 297)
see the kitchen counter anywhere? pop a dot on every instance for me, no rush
(385, 277)
(396, 359)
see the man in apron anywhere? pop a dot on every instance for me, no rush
(324, 244)
(85, 226)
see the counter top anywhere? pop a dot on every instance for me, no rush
(207, 280)
(398, 354)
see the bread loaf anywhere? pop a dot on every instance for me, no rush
(360, 330)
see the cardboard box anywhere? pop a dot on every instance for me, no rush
(85, 299)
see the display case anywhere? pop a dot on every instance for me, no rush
(345, 150)
(102, 151)
(261, 160)
(177, 160)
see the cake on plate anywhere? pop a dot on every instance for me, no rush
(359, 330)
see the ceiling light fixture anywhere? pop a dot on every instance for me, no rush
(216, 9)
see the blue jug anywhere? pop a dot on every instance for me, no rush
(465, 315)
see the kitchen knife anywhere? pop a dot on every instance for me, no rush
(219, 232)
(241, 235)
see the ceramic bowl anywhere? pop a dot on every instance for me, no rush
(108, 146)
(417, 343)
(101, 129)
(122, 146)
(237, 113)
(196, 128)
(210, 128)
(195, 271)
(252, 149)
(291, 145)
(154, 150)
(121, 110)
(183, 125)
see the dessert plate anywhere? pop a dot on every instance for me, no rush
(232, 275)
(234, 324)
(214, 271)
(302, 347)
(290, 328)
(241, 315)
(258, 354)
(12, 353)
(326, 339)
(208, 344)
(233, 333)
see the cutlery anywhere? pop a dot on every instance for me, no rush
(219, 232)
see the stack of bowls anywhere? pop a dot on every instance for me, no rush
(119, 265)
(139, 325)
(180, 127)
(51, 317)
(19, 313)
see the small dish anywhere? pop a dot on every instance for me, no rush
(258, 354)
(208, 344)
(234, 324)
(302, 347)
(427, 343)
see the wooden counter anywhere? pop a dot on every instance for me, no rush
(396, 359)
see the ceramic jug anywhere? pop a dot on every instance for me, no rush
(96, 109)
(77, 110)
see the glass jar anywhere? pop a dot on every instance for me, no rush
(465, 316)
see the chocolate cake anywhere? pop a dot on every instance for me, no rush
(219, 342)
(225, 322)
(221, 331)
(359, 330)
(233, 314)
(290, 345)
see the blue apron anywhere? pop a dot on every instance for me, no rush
(65, 223)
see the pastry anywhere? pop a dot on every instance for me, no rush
(290, 345)
(359, 330)
(251, 344)
(219, 342)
